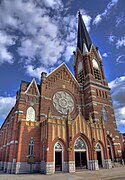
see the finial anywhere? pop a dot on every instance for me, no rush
(97, 48)
(43, 75)
(79, 12)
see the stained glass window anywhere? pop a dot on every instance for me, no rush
(98, 147)
(58, 146)
(30, 116)
(80, 144)
(104, 112)
(31, 148)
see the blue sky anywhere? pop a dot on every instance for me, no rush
(38, 35)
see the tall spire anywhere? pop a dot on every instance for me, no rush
(83, 35)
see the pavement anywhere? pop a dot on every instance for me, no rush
(117, 173)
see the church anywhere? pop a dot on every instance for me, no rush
(64, 123)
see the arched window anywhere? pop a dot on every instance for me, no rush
(96, 70)
(58, 147)
(30, 116)
(104, 112)
(31, 148)
(80, 73)
(80, 144)
(98, 148)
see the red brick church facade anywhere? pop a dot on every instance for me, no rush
(64, 123)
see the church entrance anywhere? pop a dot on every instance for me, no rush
(58, 161)
(58, 157)
(110, 150)
(80, 154)
(80, 160)
(99, 155)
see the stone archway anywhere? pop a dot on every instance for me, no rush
(80, 153)
(58, 153)
(99, 154)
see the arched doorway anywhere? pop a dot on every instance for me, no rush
(110, 149)
(58, 156)
(80, 150)
(99, 154)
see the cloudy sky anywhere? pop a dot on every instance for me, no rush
(38, 35)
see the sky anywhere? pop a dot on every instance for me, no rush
(38, 35)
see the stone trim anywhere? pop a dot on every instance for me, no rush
(107, 163)
(47, 167)
(24, 167)
(93, 165)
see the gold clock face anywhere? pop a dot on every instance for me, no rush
(63, 102)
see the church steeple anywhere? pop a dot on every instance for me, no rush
(83, 36)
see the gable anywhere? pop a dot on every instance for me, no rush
(32, 88)
(62, 72)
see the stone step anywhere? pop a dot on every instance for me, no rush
(116, 164)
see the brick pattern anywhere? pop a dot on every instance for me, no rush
(50, 126)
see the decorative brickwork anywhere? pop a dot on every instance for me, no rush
(75, 113)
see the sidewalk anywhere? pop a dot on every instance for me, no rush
(103, 174)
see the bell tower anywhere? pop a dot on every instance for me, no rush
(89, 72)
(95, 93)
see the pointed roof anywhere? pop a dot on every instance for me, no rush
(85, 49)
(83, 35)
(61, 65)
(33, 81)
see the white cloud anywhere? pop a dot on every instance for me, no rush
(119, 19)
(116, 82)
(111, 38)
(6, 41)
(52, 3)
(6, 103)
(120, 42)
(105, 55)
(97, 19)
(120, 116)
(118, 60)
(35, 72)
(106, 12)
(87, 19)
(44, 38)
(118, 95)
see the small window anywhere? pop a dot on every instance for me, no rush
(30, 116)
(80, 73)
(104, 112)
(81, 77)
(80, 67)
(31, 148)
(97, 92)
(96, 70)
(97, 74)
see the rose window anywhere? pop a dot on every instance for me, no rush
(63, 102)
